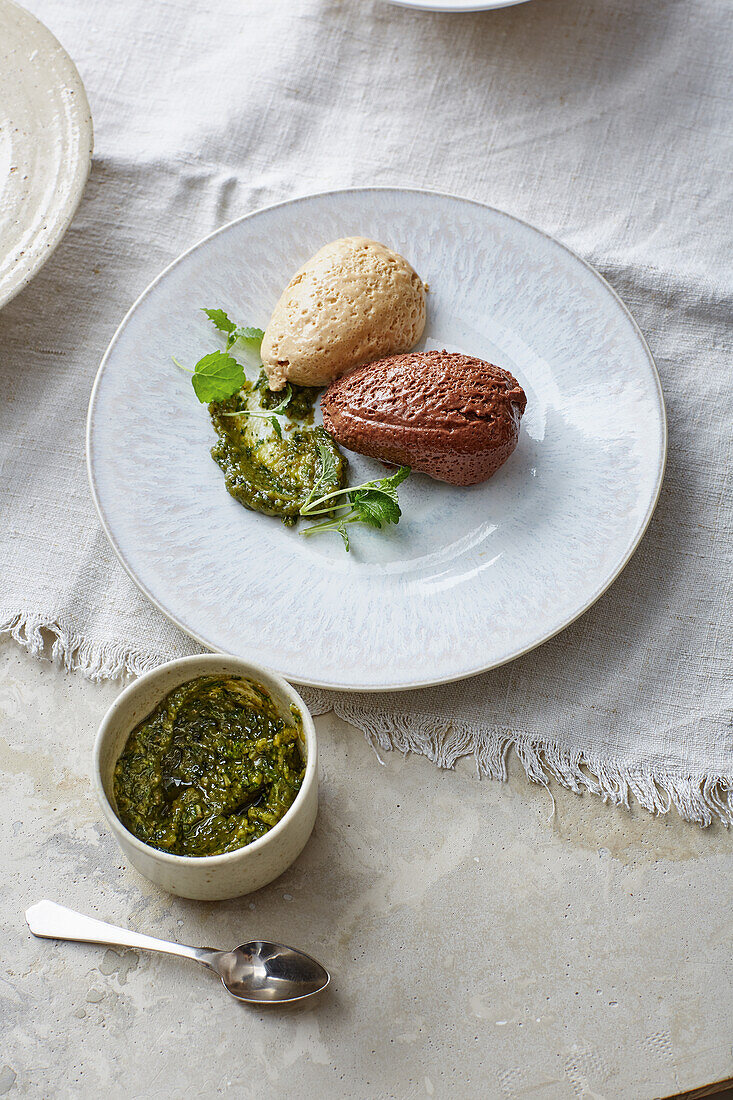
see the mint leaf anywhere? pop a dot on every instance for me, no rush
(375, 507)
(328, 463)
(388, 485)
(248, 333)
(395, 479)
(328, 475)
(250, 337)
(217, 376)
(338, 525)
(219, 318)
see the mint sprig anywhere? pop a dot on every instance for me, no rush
(252, 337)
(373, 503)
(218, 375)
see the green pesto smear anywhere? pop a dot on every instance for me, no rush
(271, 467)
(301, 405)
(213, 768)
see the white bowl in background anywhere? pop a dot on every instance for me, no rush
(206, 878)
(46, 148)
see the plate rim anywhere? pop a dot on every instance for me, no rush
(413, 685)
(81, 117)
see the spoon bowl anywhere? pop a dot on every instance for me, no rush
(261, 972)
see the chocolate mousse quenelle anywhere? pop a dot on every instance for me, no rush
(452, 416)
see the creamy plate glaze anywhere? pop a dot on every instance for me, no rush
(471, 577)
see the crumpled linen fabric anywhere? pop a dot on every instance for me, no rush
(607, 126)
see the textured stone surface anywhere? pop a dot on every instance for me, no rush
(479, 946)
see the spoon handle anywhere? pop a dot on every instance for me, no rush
(56, 922)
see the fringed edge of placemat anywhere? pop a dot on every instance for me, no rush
(51, 640)
(699, 798)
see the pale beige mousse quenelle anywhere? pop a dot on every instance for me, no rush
(354, 301)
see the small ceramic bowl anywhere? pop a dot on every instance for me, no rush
(206, 878)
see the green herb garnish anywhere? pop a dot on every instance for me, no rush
(218, 375)
(220, 320)
(250, 336)
(374, 503)
(215, 377)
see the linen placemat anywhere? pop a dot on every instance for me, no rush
(607, 126)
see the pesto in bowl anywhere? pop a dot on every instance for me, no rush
(211, 769)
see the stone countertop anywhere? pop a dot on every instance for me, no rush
(480, 944)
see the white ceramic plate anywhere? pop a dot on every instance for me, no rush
(471, 577)
(45, 145)
(447, 6)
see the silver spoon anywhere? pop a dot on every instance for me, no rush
(258, 972)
